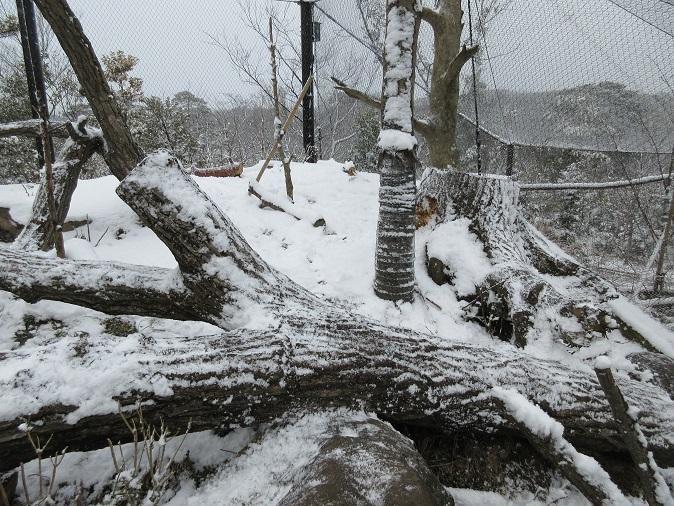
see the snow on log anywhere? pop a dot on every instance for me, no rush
(33, 128)
(532, 285)
(296, 349)
(112, 288)
(311, 357)
(547, 436)
(84, 141)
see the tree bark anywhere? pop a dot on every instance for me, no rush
(519, 289)
(122, 152)
(313, 354)
(38, 234)
(394, 257)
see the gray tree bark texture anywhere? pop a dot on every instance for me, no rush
(38, 234)
(316, 354)
(519, 288)
(394, 257)
(122, 151)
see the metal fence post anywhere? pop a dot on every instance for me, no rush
(306, 25)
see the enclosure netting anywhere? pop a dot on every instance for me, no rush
(567, 91)
(561, 73)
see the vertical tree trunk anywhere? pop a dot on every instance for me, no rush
(444, 96)
(394, 262)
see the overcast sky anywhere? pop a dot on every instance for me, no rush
(535, 44)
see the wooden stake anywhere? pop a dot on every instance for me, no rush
(286, 125)
(278, 134)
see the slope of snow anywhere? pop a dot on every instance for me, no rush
(336, 262)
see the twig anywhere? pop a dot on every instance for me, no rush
(101, 237)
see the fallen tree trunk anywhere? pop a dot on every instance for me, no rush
(313, 353)
(39, 233)
(532, 285)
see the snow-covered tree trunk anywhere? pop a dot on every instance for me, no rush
(84, 141)
(394, 262)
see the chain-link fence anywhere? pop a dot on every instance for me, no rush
(566, 90)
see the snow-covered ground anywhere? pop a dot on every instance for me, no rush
(336, 261)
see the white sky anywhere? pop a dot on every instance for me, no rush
(534, 45)
(171, 40)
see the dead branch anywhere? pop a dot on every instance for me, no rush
(39, 233)
(423, 127)
(608, 185)
(32, 128)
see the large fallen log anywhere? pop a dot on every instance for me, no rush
(309, 352)
(532, 286)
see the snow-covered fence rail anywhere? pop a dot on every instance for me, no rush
(32, 128)
(607, 185)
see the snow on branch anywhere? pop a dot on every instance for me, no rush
(593, 186)
(547, 436)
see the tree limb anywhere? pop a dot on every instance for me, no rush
(653, 485)
(422, 127)
(113, 288)
(31, 128)
(604, 185)
(432, 17)
(457, 63)
(122, 153)
(83, 143)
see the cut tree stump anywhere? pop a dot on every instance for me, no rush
(533, 286)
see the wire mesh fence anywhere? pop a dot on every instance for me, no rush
(566, 90)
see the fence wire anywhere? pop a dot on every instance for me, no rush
(567, 90)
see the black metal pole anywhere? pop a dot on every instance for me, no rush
(30, 77)
(306, 25)
(36, 60)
